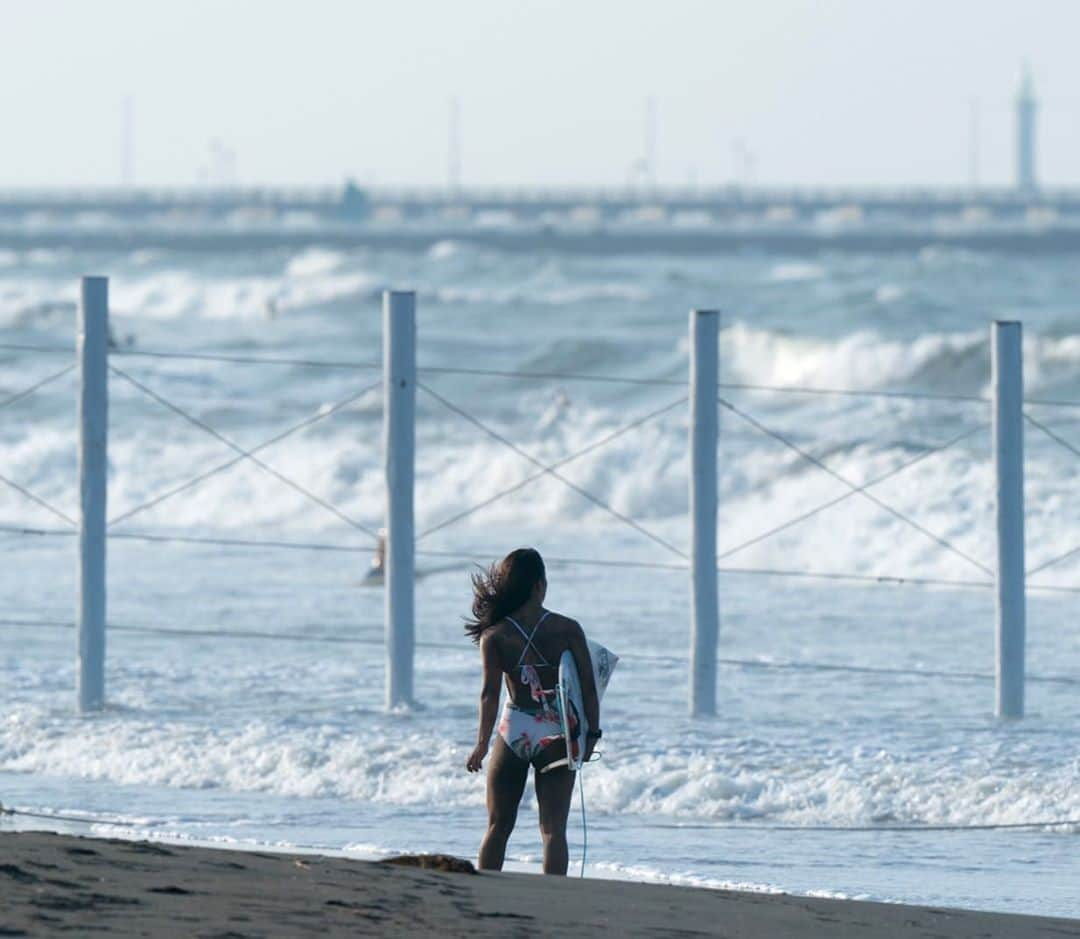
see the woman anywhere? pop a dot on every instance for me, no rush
(522, 641)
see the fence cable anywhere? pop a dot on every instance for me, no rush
(847, 495)
(596, 445)
(28, 347)
(240, 542)
(465, 555)
(22, 490)
(245, 359)
(205, 633)
(37, 386)
(482, 556)
(880, 579)
(1053, 561)
(733, 386)
(117, 822)
(26, 530)
(465, 647)
(37, 500)
(318, 500)
(1057, 438)
(875, 829)
(553, 376)
(539, 376)
(550, 472)
(781, 438)
(228, 464)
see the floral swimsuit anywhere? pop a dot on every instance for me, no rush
(529, 731)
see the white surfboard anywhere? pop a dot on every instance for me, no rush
(571, 702)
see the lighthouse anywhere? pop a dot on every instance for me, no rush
(1025, 135)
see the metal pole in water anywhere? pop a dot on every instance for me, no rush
(705, 610)
(92, 353)
(399, 428)
(1008, 380)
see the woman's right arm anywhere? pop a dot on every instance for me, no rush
(489, 702)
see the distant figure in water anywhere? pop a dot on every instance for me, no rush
(522, 642)
(376, 574)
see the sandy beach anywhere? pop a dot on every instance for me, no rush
(56, 883)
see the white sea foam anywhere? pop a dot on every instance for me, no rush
(775, 782)
(314, 262)
(796, 271)
(567, 295)
(175, 294)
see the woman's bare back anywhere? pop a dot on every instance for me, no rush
(549, 642)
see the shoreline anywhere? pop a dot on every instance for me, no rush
(51, 882)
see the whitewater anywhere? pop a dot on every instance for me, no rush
(861, 698)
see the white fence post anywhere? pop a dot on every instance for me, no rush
(92, 353)
(705, 615)
(1008, 380)
(399, 427)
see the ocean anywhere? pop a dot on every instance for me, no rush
(855, 752)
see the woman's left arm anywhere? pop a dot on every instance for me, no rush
(489, 702)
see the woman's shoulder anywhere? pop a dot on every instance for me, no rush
(561, 623)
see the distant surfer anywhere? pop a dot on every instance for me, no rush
(521, 641)
(376, 572)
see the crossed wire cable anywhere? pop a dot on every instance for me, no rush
(1075, 451)
(854, 487)
(243, 454)
(544, 469)
(858, 490)
(11, 483)
(549, 471)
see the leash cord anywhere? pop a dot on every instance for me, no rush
(584, 824)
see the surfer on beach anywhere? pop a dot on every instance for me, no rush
(522, 642)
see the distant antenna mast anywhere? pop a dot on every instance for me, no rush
(973, 143)
(453, 168)
(127, 141)
(650, 142)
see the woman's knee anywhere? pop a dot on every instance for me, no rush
(552, 826)
(501, 824)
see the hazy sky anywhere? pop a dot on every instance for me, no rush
(833, 91)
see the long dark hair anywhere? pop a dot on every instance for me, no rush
(503, 588)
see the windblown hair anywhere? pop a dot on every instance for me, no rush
(503, 588)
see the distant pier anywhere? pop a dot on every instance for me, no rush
(612, 220)
(526, 204)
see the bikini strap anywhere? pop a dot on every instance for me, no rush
(529, 639)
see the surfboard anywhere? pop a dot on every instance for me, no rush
(571, 701)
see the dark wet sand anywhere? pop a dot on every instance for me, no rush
(52, 884)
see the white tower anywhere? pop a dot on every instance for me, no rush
(1025, 134)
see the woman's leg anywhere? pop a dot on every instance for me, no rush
(506, 778)
(554, 791)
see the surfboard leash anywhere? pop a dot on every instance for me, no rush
(584, 823)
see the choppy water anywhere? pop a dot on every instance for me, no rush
(285, 742)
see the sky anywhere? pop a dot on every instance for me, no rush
(860, 92)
